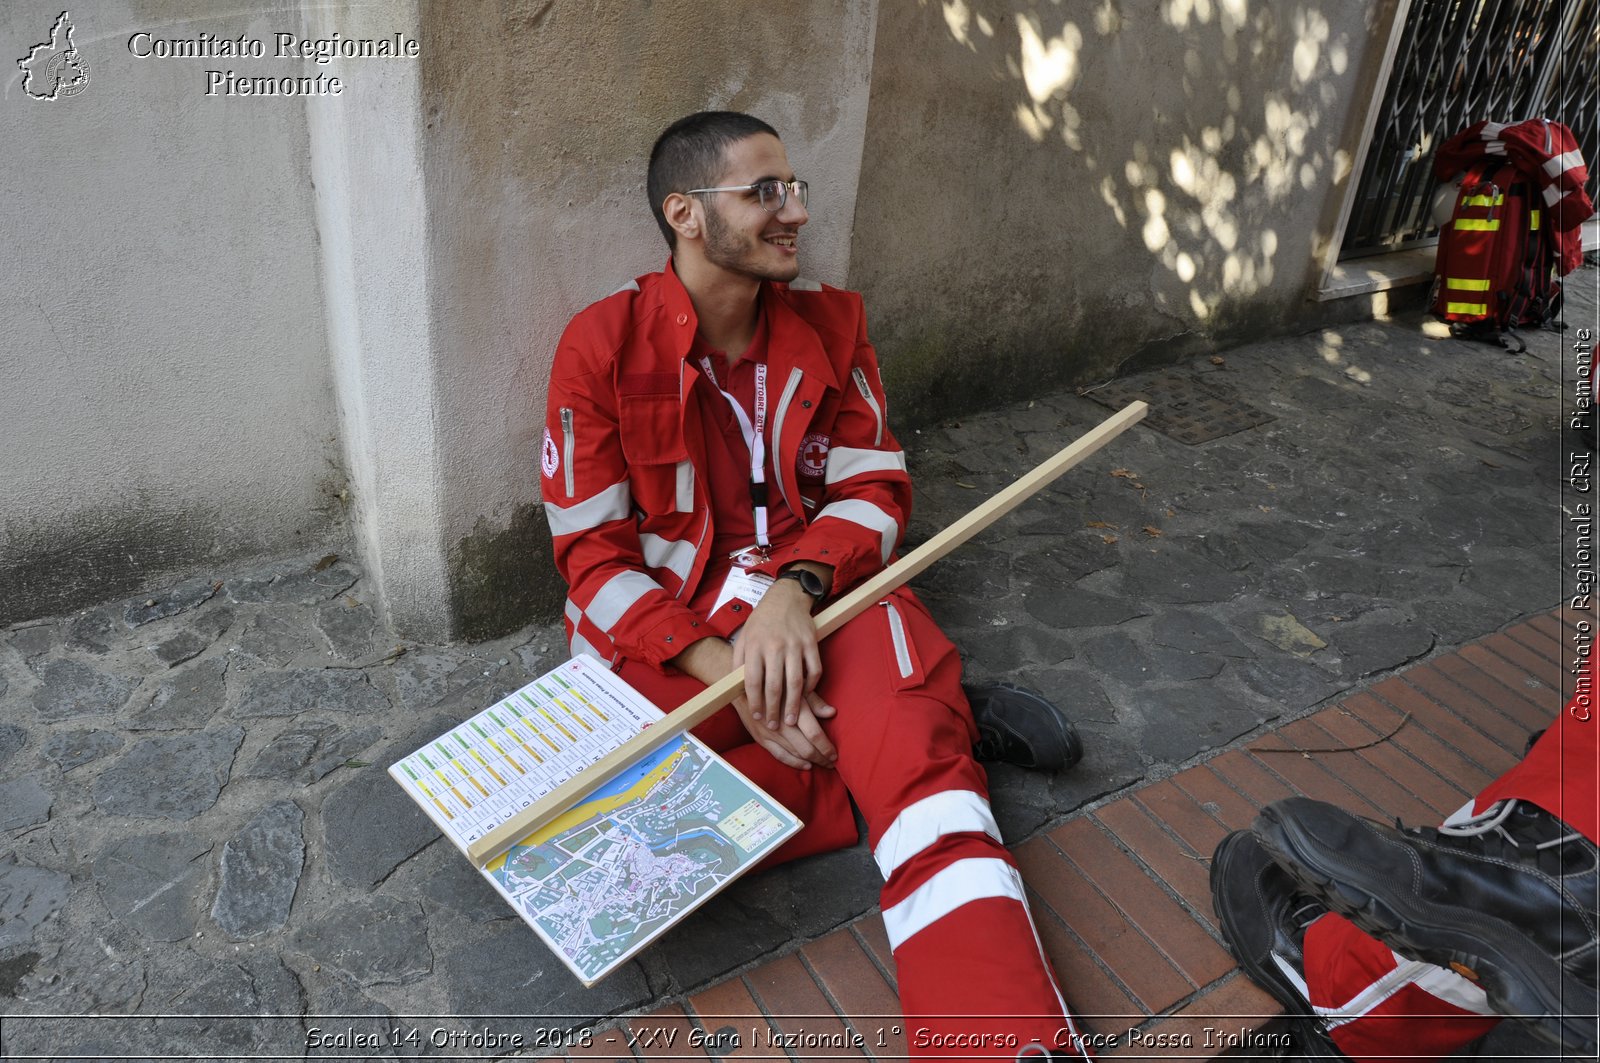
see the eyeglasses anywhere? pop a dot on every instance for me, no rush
(773, 192)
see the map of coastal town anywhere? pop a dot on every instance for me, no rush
(611, 874)
(637, 856)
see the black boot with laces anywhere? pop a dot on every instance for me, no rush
(1263, 916)
(1507, 898)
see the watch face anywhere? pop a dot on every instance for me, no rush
(809, 581)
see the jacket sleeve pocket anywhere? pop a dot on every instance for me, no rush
(652, 442)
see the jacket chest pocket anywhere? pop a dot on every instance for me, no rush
(659, 474)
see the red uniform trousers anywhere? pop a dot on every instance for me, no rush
(969, 962)
(1382, 1006)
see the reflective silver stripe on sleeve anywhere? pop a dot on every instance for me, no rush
(845, 462)
(583, 645)
(674, 555)
(577, 642)
(614, 503)
(1553, 195)
(867, 515)
(1562, 163)
(684, 498)
(618, 596)
(789, 389)
(924, 822)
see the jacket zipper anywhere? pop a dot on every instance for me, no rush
(568, 444)
(897, 632)
(860, 377)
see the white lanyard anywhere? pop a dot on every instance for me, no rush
(754, 441)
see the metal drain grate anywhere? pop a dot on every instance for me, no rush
(1182, 408)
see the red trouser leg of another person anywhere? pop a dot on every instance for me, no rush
(1382, 1006)
(974, 981)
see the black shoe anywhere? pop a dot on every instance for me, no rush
(1264, 916)
(1017, 726)
(1507, 899)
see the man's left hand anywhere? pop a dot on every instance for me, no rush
(778, 648)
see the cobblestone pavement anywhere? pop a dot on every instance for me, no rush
(193, 787)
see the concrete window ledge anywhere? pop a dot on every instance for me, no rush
(1378, 273)
(1398, 269)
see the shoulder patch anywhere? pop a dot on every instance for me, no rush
(802, 284)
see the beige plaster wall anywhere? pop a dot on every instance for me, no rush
(166, 400)
(1069, 187)
(223, 303)
(538, 120)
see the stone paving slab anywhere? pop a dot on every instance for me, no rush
(192, 780)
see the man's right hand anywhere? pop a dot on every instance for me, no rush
(799, 745)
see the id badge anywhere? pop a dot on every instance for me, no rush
(743, 584)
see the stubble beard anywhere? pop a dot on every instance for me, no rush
(724, 248)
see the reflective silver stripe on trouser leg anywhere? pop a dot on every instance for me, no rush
(922, 823)
(958, 883)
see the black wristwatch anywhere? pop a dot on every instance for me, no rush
(809, 582)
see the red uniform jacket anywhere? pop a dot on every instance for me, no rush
(624, 463)
(1547, 153)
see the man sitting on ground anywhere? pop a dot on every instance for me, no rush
(718, 462)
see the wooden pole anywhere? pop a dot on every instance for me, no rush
(724, 690)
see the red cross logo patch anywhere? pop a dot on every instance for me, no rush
(813, 456)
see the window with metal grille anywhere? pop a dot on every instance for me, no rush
(1460, 62)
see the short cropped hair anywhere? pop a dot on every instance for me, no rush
(690, 153)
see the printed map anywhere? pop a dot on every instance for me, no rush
(607, 878)
(621, 866)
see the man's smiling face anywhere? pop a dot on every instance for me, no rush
(740, 235)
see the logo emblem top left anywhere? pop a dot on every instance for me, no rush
(55, 68)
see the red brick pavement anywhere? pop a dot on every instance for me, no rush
(1121, 894)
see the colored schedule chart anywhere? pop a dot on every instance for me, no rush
(477, 775)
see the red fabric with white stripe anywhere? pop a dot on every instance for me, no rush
(968, 960)
(1379, 1006)
(1559, 773)
(953, 897)
(625, 473)
(1548, 154)
(1385, 1007)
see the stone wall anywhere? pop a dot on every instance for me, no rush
(166, 400)
(1051, 193)
(539, 119)
(238, 323)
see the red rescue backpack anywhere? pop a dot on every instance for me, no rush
(1495, 270)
